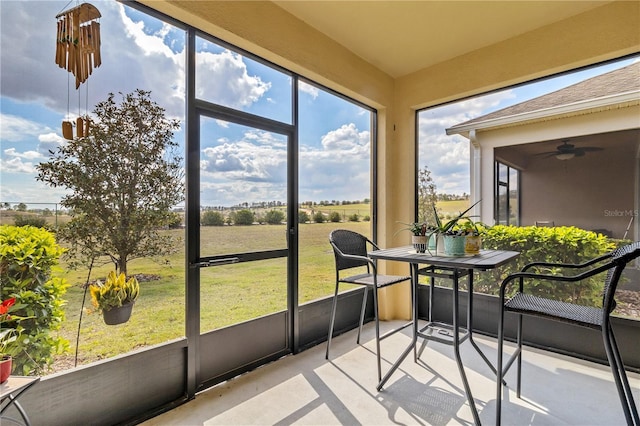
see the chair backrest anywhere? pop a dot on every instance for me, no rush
(620, 258)
(350, 243)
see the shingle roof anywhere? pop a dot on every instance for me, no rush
(622, 80)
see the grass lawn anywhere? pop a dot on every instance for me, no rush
(229, 294)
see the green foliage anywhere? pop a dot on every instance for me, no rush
(30, 220)
(212, 218)
(334, 217)
(318, 217)
(123, 179)
(174, 221)
(544, 244)
(244, 217)
(274, 217)
(427, 197)
(28, 256)
(354, 217)
(114, 292)
(303, 217)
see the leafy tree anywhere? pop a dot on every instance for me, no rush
(124, 178)
(22, 207)
(427, 197)
(212, 218)
(274, 217)
(303, 217)
(244, 217)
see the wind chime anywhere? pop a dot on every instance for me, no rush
(78, 51)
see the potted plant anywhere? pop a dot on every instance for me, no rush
(421, 235)
(9, 333)
(115, 297)
(473, 240)
(452, 236)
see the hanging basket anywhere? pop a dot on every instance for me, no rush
(118, 315)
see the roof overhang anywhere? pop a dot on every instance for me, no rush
(621, 100)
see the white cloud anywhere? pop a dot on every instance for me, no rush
(223, 78)
(16, 164)
(15, 129)
(27, 155)
(308, 89)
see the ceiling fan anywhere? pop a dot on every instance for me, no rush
(567, 151)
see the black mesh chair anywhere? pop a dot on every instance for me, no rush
(591, 317)
(350, 250)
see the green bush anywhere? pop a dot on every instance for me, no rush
(212, 218)
(274, 217)
(564, 244)
(354, 217)
(244, 217)
(318, 217)
(334, 217)
(28, 256)
(30, 220)
(303, 217)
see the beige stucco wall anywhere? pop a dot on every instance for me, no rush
(270, 32)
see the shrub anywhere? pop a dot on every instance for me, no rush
(303, 217)
(334, 217)
(354, 217)
(366, 218)
(28, 256)
(244, 217)
(212, 218)
(564, 244)
(174, 221)
(274, 217)
(318, 217)
(30, 220)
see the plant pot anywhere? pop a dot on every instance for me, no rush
(433, 241)
(118, 315)
(454, 245)
(5, 368)
(419, 243)
(472, 244)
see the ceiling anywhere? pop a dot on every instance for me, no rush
(401, 37)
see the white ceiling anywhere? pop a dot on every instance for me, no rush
(401, 37)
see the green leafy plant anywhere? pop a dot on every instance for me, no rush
(114, 292)
(28, 258)
(449, 226)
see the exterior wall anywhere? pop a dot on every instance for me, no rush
(592, 192)
(262, 28)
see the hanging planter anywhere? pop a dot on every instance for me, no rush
(115, 297)
(118, 315)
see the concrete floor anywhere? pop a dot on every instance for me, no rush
(306, 389)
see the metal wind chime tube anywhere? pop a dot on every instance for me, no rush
(78, 51)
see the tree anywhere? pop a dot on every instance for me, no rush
(22, 207)
(124, 178)
(427, 197)
(212, 218)
(244, 217)
(274, 217)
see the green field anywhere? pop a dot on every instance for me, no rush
(229, 294)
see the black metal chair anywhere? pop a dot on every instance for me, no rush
(350, 250)
(591, 317)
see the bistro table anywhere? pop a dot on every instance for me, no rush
(10, 391)
(452, 267)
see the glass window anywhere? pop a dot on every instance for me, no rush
(227, 78)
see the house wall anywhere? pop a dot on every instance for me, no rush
(262, 28)
(596, 191)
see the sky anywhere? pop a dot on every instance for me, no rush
(238, 164)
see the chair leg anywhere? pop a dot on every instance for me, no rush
(362, 311)
(332, 321)
(519, 383)
(620, 376)
(375, 312)
(499, 372)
